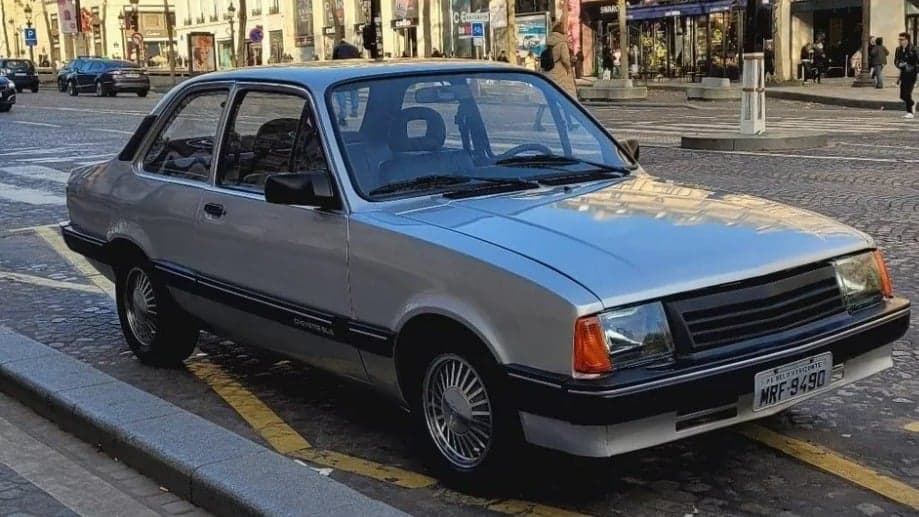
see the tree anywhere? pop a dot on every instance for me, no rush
(6, 36)
(241, 36)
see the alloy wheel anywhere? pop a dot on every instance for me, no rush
(457, 411)
(141, 308)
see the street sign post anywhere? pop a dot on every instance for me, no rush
(31, 36)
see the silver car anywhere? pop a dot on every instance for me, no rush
(468, 239)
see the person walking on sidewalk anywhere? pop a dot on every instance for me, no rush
(907, 61)
(345, 50)
(561, 70)
(877, 58)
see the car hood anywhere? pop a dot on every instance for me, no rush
(641, 238)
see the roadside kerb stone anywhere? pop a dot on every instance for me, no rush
(203, 462)
(771, 141)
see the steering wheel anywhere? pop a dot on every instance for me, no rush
(523, 148)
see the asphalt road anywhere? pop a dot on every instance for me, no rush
(868, 177)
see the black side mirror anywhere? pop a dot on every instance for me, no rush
(303, 188)
(631, 145)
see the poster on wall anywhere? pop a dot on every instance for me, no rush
(497, 14)
(201, 51)
(67, 16)
(531, 34)
(405, 9)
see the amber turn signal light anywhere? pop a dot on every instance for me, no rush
(886, 286)
(591, 355)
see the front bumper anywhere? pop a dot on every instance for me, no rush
(604, 419)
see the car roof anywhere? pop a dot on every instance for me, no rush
(318, 75)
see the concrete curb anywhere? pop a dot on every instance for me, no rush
(196, 459)
(774, 141)
(834, 101)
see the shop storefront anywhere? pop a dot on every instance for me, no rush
(912, 19)
(672, 39)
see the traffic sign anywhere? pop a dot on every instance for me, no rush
(31, 36)
(256, 35)
(468, 17)
(478, 30)
(137, 38)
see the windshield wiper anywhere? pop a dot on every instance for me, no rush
(443, 180)
(557, 159)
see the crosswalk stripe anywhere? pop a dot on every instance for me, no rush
(37, 172)
(29, 196)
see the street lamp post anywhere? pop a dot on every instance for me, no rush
(135, 15)
(864, 78)
(231, 11)
(28, 12)
(123, 27)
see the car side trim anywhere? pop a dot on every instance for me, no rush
(363, 336)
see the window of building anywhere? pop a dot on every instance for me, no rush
(263, 132)
(184, 147)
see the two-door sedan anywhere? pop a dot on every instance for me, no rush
(468, 239)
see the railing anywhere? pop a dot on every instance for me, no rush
(214, 18)
(256, 11)
(200, 19)
(186, 21)
(274, 9)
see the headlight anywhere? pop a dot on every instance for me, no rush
(863, 280)
(621, 338)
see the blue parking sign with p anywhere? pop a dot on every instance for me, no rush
(31, 36)
(478, 30)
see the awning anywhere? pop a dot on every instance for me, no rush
(804, 6)
(652, 12)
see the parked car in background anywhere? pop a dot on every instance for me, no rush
(21, 72)
(504, 284)
(7, 94)
(107, 78)
(65, 70)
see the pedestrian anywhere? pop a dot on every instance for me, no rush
(907, 61)
(769, 60)
(530, 62)
(606, 58)
(345, 50)
(561, 70)
(555, 61)
(617, 63)
(807, 61)
(436, 53)
(503, 57)
(819, 61)
(877, 58)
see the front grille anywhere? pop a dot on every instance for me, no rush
(748, 310)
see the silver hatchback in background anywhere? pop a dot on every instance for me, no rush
(467, 239)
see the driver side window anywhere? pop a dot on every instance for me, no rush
(184, 146)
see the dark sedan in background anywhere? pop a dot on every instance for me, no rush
(107, 78)
(21, 72)
(7, 94)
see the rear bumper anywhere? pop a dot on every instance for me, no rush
(130, 85)
(24, 82)
(616, 419)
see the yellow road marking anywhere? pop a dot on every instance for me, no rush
(517, 507)
(912, 426)
(47, 282)
(27, 229)
(286, 440)
(52, 235)
(832, 462)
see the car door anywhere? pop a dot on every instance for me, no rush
(86, 80)
(277, 274)
(173, 167)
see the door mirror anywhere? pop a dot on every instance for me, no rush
(631, 145)
(304, 188)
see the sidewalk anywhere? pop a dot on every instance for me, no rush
(47, 472)
(837, 92)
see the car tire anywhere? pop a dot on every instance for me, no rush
(100, 89)
(142, 93)
(5, 107)
(453, 446)
(61, 86)
(35, 89)
(156, 329)
(18, 90)
(112, 93)
(72, 89)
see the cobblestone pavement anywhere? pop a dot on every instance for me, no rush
(44, 472)
(868, 177)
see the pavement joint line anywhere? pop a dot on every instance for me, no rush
(834, 463)
(54, 239)
(46, 282)
(912, 427)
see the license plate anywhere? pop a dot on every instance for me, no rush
(21, 74)
(791, 381)
(132, 76)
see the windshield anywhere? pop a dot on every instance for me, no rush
(398, 132)
(19, 65)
